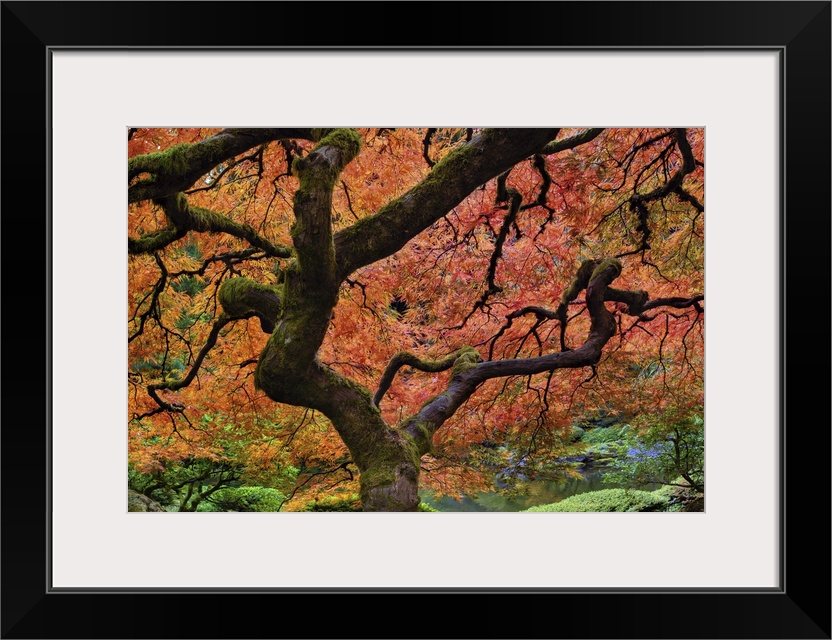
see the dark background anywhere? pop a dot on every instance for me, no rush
(800, 609)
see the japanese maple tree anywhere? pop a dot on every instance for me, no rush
(373, 305)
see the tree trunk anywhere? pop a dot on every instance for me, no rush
(390, 480)
(387, 458)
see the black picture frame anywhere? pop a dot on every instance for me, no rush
(800, 608)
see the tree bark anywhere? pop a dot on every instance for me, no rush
(298, 312)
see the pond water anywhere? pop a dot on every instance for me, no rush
(538, 492)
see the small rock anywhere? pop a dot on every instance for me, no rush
(138, 502)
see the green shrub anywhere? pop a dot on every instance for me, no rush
(576, 433)
(663, 446)
(607, 500)
(668, 491)
(243, 499)
(350, 502)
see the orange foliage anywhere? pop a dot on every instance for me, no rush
(423, 299)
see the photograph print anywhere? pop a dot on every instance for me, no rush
(416, 319)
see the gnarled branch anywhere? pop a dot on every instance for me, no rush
(602, 327)
(595, 277)
(571, 142)
(241, 297)
(403, 358)
(183, 218)
(177, 168)
(465, 168)
(638, 201)
(311, 284)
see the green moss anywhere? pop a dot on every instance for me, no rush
(154, 241)
(239, 296)
(359, 389)
(318, 133)
(578, 284)
(571, 292)
(412, 449)
(173, 161)
(285, 332)
(467, 359)
(347, 140)
(421, 432)
(245, 498)
(604, 264)
(607, 500)
(432, 399)
(177, 209)
(425, 431)
(391, 459)
(182, 203)
(298, 165)
(576, 433)
(349, 502)
(440, 172)
(206, 220)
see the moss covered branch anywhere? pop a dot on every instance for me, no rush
(571, 142)
(183, 217)
(578, 284)
(464, 169)
(388, 459)
(155, 241)
(317, 173)
(403, 358)
(177, 168)
(638, 302)
(241, 297)
(434, 413)
(311, 285)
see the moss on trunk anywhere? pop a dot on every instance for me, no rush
(390, 479)
(241, 296)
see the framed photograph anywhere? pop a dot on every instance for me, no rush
(733, 102)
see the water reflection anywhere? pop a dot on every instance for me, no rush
(537, 492)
